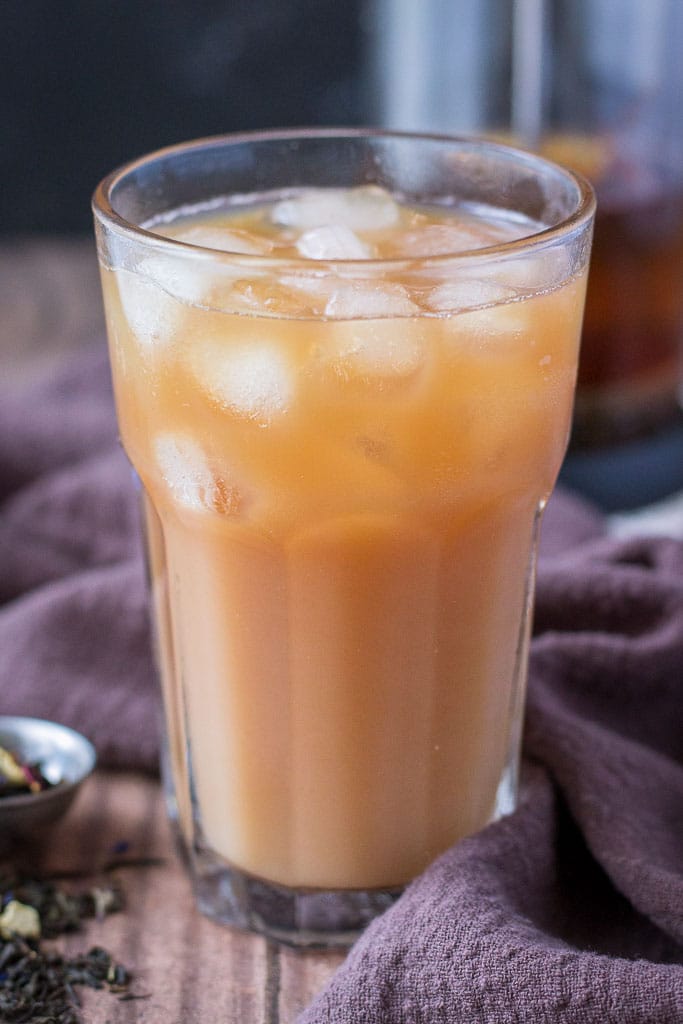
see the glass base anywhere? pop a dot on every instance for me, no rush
(303, 918)
(297, 917)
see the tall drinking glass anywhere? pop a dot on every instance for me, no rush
(344, 463)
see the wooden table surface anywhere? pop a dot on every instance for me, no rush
(195, 971)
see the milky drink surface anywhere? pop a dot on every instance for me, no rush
(344, 469)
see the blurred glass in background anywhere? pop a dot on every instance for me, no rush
(597, 85)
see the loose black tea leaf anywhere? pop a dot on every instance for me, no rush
(37, 984)
(60, 910)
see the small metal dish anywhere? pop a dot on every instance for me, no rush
(66, 759)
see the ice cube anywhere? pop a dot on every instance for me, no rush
(265, 296)
(352, 301)
(188, 280)
(186, 472)
(481, 308)
(366, 208)
(151, 314)
(332, 242)
(466, 293)
(254, 381)
(528, 274)
(233, 240)
(509, 318)
(377, 349)
(294, 294)
(441, 239)
(320, 284)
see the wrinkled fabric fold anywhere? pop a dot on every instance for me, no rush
(74, 631)
(517, 924)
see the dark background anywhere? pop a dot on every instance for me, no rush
(86, 85)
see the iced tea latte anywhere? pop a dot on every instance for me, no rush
(346, 431)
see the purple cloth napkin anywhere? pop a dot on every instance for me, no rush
(74, 637)
(570, 910)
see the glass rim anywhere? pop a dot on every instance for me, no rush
(104, 211)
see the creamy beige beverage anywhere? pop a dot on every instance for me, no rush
(344, 478)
